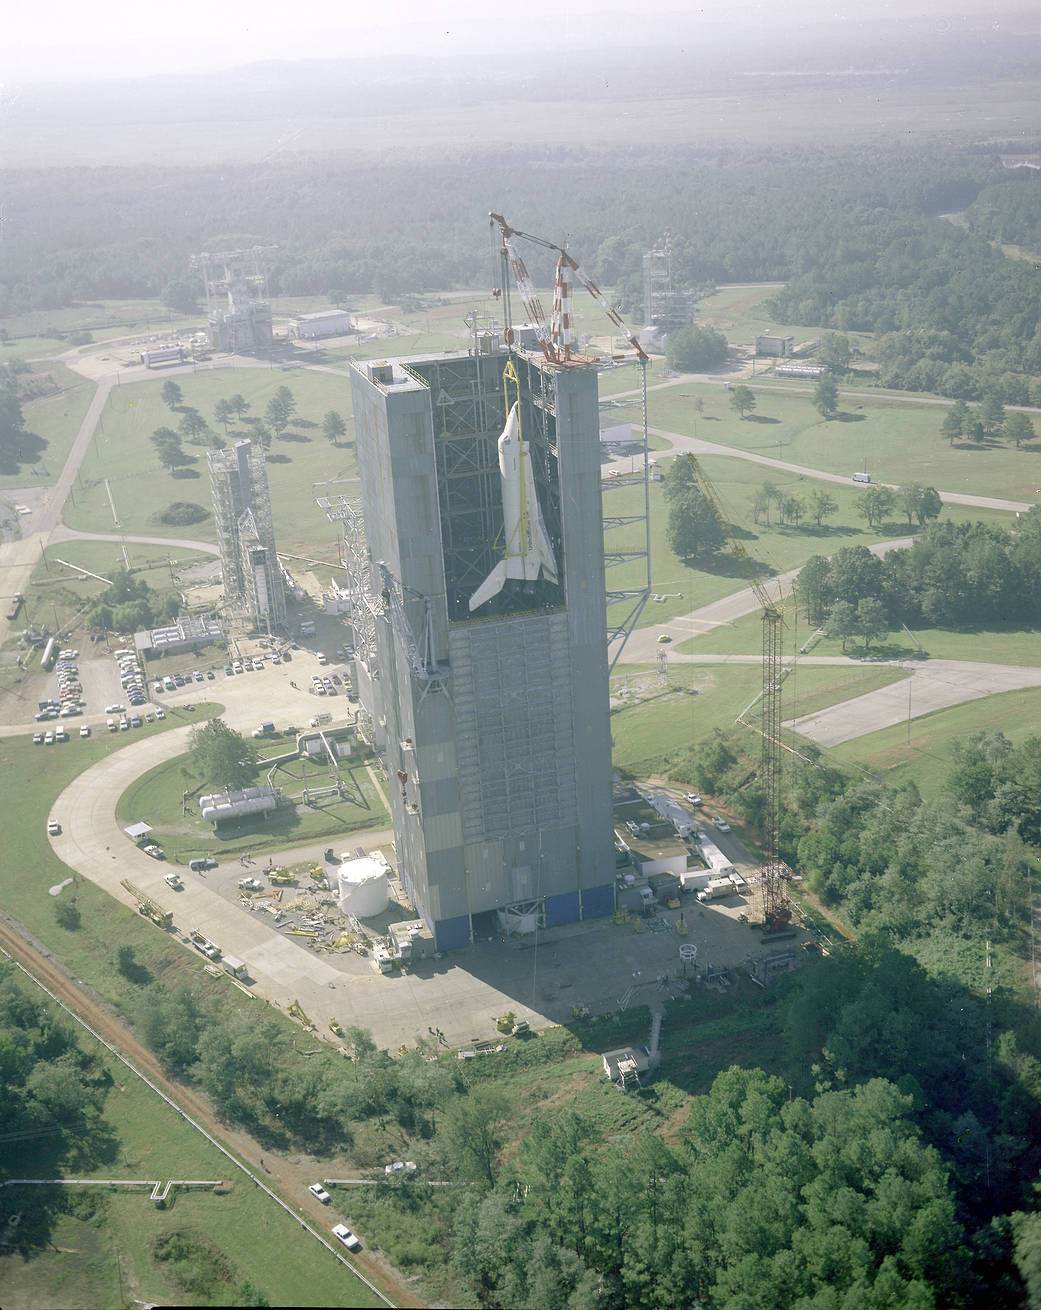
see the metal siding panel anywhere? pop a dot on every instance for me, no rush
(598, 901)
(562, 909)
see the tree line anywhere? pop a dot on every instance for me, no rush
(954, 575)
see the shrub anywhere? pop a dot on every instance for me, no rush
(182, 513)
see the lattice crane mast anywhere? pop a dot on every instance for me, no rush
(772, 869)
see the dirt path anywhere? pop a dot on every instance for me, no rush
(276, 1173)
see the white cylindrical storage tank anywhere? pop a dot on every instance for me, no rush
(363, 888)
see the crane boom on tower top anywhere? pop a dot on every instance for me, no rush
(556, 341)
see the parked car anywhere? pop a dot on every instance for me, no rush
(319, 1193)
(721, 824)
(37, 738)
(346, 1237)
(693, 799)
(84, 730)
(53, 827)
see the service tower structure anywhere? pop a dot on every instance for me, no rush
(254, 589)
(485, 686)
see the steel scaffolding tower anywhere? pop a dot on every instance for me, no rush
(237, 276)
(254, 589)
(662, 307)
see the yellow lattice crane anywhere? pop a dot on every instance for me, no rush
(772, 870)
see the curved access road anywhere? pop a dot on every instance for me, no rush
(697, 446)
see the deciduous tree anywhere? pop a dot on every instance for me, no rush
(694, 528)
(920, 503)
(835, 351)
(822, 505)
(742, 400)
(872, 620)
(696, 347)
(221, 756)
(875, 505)
(826, 397)
(171, 394)
(334, 427)
(811, 588)
(1018, 427)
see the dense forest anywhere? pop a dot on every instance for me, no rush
(857, 236)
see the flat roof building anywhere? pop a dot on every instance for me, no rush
(325, 323)
(482, 663)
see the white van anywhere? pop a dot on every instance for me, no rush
(861, 477)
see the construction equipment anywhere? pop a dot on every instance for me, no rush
(772, 869)
(149, 908)
(297, 1012)
(283, 877)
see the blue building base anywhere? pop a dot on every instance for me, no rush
(451, 934)
(598, 901)
(561, 909)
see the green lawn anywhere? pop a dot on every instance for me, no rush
(898, 440)
(51, 424)
(35, 334)
(152, 1141)
(994, 645)
(657, 722)
(155, 797)
(772, 548)
(122, 453)
(927, 757)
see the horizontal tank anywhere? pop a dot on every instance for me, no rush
(232, 804)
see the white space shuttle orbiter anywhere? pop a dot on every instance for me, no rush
(528, 552)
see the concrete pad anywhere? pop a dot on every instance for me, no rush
(933, 685)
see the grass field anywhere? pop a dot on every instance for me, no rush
(658, 722)
(927, 756)
(40, 333)
(157, 795)
(51, 424)
(122, 454)
(102, 1254)
(993, 645)
(898, 440)
(771, 547)
(261, 1242)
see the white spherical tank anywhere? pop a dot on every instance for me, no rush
(363, 888)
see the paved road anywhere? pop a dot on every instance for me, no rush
(62, 533)
(643, 645)
(697, 446)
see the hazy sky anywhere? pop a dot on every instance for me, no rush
(74, 40)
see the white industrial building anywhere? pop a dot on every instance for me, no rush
(325, 323)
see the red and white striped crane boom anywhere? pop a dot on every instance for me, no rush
(557, 341)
